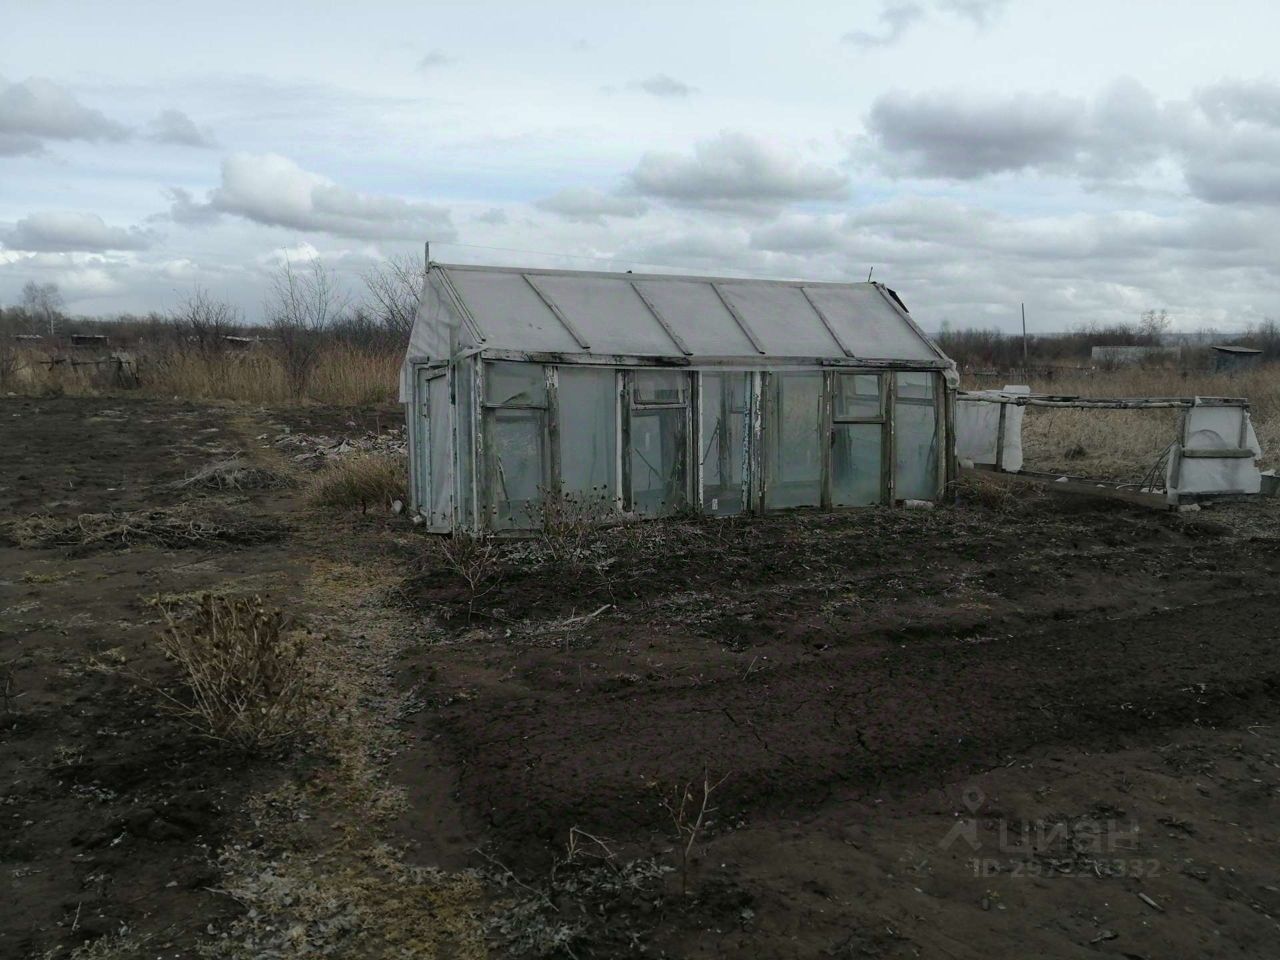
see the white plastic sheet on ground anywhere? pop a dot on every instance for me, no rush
(1216, 428)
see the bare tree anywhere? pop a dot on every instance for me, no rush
(43, 302)
(205, 320)
(303, 303)
(1154, 324)
(394, 289)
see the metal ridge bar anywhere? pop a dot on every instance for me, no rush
(662, 321)
(826, 322)
(559, 314)
(737, 318)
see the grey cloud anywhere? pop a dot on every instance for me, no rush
(589, 205)
(944, 135)
(981, 12)
(494, 217)
(797, 235)
(273, 190)
(39, 108)
(19, 144)
(66, 232)
(896, 19)
(1248, 101)
(174, 126)
(185, 208)
(662, 85)
(1226, 140)
(434, 58)
(735, 170)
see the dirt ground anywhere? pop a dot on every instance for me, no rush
(1020, 726)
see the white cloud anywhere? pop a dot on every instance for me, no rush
(64, 231)
(736, 170)
(273, 190)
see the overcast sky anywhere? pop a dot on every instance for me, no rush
(1093, 158)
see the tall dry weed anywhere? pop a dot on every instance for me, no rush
(1124, 444)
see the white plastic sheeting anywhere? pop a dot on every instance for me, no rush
(977, 428)
(1211, 428)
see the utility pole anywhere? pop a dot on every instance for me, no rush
(1024, 341)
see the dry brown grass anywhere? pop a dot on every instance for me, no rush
(186, 525)
(1123, 444)
(342, 375)
(360, 481)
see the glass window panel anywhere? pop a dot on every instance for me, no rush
(857, 396)
(794, 434)
(659, 460)
(519, 384)
(588, 432)
(724, 432)
(516, 466)
(855, 464)
(661, 386)
(915, 437)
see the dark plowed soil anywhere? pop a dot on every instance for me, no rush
(850, 659)
(891, 695)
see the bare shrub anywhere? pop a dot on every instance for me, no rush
(569, 523)
(204, 322)
(475, 558)
(360, 480)
(689, 807)
(250, 678)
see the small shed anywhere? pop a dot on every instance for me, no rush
(1229, 358)
(529, 391)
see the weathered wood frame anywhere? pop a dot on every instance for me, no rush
(1177, 454)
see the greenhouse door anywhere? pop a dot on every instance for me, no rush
(656, 453)
(516, 461)
(858, 426)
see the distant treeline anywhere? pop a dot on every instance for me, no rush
(995, 350)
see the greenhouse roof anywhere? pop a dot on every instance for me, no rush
(633, 314)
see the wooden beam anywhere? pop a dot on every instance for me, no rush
(662, 321)
(826, 322)
(738, 319)
(559, 314)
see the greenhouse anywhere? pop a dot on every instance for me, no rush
(531, 393)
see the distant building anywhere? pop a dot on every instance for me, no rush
(1124, 356)
(88, 340)
(1229, 358)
